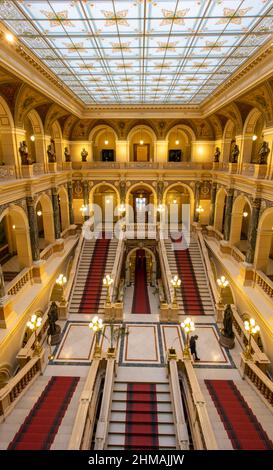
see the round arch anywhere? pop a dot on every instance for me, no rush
(102, 151)
(103, 183)
(17, 233)
(239, 222)
(130, 195)
(127, 264)
(141, 152)
(46, 220)
(8, 151)
(101, 127)
(56, 135)
(264, 242)
(64, 208)
(183, 127)
(220, 202)
(184, 186)
(107, 201)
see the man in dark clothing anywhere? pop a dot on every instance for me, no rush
(193, 347)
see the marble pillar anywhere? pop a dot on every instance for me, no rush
(33, 229)
(212, 203)
(56, 213)
(70, 202)
(256, 205)
(196, 200)
(229, 203)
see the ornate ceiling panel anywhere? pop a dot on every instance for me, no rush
(141, 51)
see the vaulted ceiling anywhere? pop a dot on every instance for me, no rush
(141, 51)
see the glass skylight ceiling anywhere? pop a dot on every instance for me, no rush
(142, 51)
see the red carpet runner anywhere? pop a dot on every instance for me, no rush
(93, 285)
(41, 425)
(141, 430)
(141, 302)
(190, 293)
(242, 426)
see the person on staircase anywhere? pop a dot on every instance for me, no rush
(193, 340)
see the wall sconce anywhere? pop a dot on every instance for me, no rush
(14, 227)
(39, 213)
(245, 214)
(32, 138)
(254, 137)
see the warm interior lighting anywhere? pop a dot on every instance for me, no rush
(39, 213)
(199, 209)
(177, 142)
(106, 142)
(9, 37)
(13, 227)
(175, 201)
(245, 214)
(32, 138)
(222, 282)
(254, 137)
(141, 142)
(107, 201)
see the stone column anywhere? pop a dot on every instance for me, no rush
(70, 202)
(196, 200)
(228, 213)
(256, 205)
(212, 203)
(56, 213)
(3, 292)
(33, 229)
(86, 198)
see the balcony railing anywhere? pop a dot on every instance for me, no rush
(7, 172)
(142, 165)
(264, 282)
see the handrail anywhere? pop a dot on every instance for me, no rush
(202, 431)
(165, 269)
(74, 267)
(211, 277)
(264, 282)
(26, 352)
(182, 435)
(237, 254)
(85, 418)
(25, 276)
(117, 266)
(105, 411)
(258, 380)
(18, 385)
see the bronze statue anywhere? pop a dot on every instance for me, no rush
(51, 152)
(217, 154)
(23, 150)
(84, 155)
(263, 153)
(52, 318)
(235, 153)
(227, 322)
(67, 155)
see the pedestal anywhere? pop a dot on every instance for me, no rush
(67, 165)
(52, 167)
(220, 308)
(113, 311)
(56, 338)
(215, 165)
(225, 248)
(233, 167)
(38, 271)
(7, 314)
(59, 246)
(27, 171)
(62, 310)
(247, 273)
(168, 313)
(228, 343)
(260, 171)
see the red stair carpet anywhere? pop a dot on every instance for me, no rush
(190, 293)
(41, 425)
(141, 431)
(141, 302)
(242, 426)
(93, 285)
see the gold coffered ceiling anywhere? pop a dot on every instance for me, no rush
(142, 51)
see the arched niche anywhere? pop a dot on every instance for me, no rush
(15, 247)
(142, 199)
(8, 150)
(220, 208)
(263, 259)
(103, 140)
(240, 223)
(63, 208)
(106, 197)
(45, 221)
(34, 130)
(151, 266)
(174, 197)
(179, 143)
(229, 135)
(141, 141)
(56, 136)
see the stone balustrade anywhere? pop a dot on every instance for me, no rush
(257, 379)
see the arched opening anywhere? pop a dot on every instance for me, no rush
(228, 141)
(263, 260)
(138, 255)
(56, 141)
(106, 197)
(45, 222)
(8, 151)
(220, 210)
(141, 144)
(179, 145)
(15, 248)
(258, 136)
(141, 199)
(63, 209)
(104, 144)
(30, 139)
(176, 200)
(240, 222)
(35, 137)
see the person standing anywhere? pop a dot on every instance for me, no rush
(193, 340)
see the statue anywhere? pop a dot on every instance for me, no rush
(235, 153)
(263, 153)
(227, 335)
(67, 155)
(217, 154)
(53, 330)
(84, 155)
(23, 150)
(51, 152)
